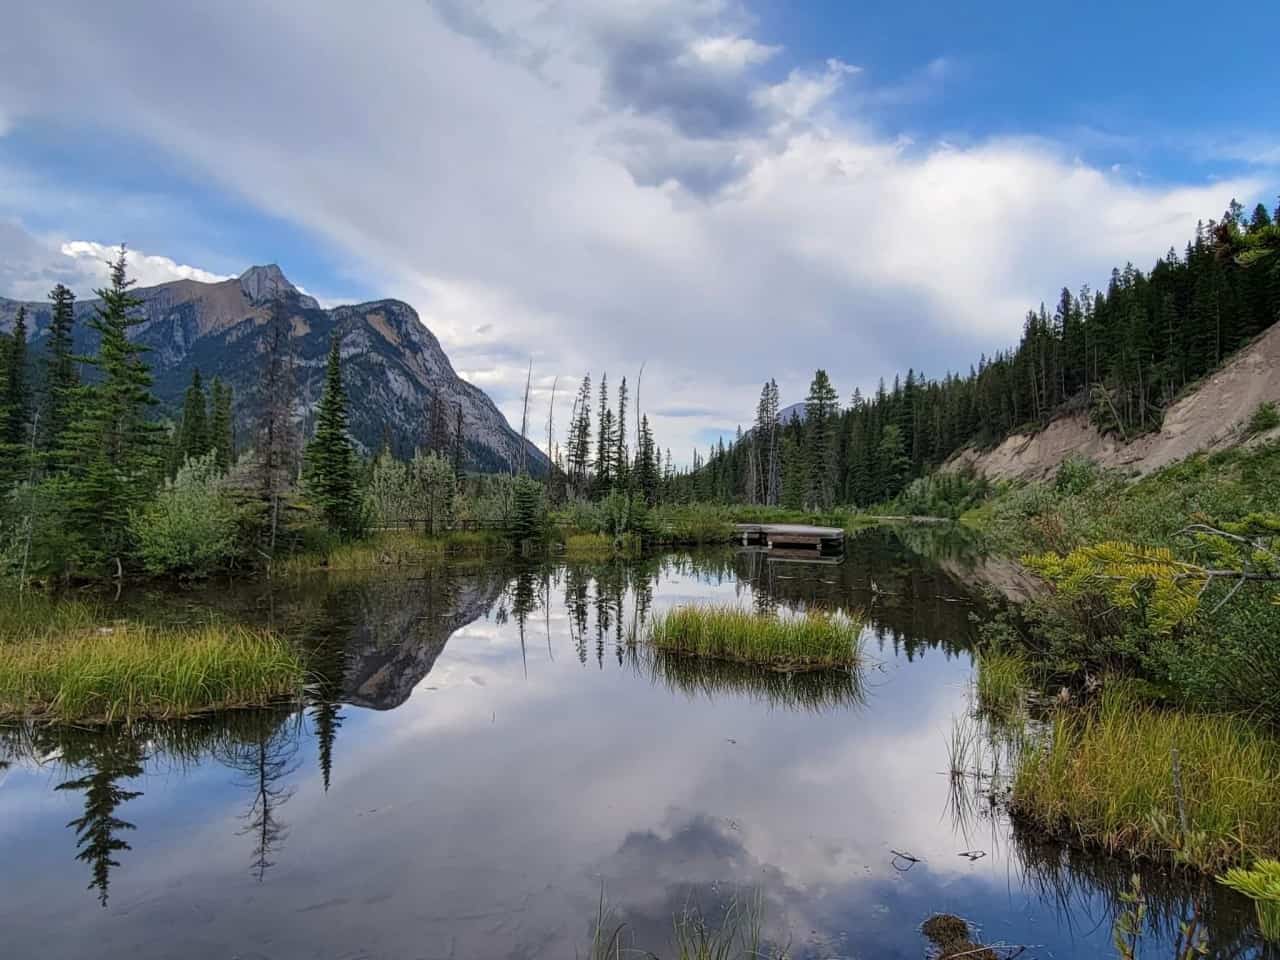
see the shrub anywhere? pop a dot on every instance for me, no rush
(190, 527)
(1265, 417)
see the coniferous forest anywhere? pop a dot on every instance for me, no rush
(1122, 354)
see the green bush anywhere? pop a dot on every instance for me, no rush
(1266, 417)
(190, 527)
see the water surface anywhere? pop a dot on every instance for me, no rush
(487, 751)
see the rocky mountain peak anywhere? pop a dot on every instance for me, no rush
(264, 282)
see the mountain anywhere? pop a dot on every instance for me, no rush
(393, 366)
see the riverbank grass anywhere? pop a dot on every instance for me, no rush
(1104, 776)
(809, 641)
(1002, 682)
(394, 548)
(129, 671)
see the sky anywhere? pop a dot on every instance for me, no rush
(722, 191)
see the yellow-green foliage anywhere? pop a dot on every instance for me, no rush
(588, 545)
(127, 671)
(1149, 580)
(1260, 883)
(1104, 775)
(812, 640)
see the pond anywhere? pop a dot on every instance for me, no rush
(486, 754)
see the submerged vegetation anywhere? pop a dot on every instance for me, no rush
(810, 641)
(1137, 779)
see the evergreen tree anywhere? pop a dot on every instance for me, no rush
(820, 413)
(221, 426)
(621, 456)
(61, 375)
(330, 459)
(605, 442)
(191, 439)
(17, 400)
(579, 443)
(111, 452)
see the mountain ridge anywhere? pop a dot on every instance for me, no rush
(394, 368)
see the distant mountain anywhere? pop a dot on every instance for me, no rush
(794, 411)
(392, 364)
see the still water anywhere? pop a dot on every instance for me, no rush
(486, 753)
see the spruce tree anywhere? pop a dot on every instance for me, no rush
(221, 428)
(17, 401)
(191, 439)
(330, 459)
(61, 374)
(820, 413)
(111, 452)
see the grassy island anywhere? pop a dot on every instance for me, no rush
(62, 661)
(809, 641)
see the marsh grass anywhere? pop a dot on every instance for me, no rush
(1002, 682)
(810, 641)
(131, 671)
(1103, 776)
(392, 548)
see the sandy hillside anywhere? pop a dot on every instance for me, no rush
(1209, 417)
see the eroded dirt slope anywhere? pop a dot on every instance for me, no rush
(1210, 417)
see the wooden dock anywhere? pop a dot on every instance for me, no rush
(790, 536)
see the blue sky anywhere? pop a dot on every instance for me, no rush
(726, 191)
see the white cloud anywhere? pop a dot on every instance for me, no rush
(147, 269)
(585, 186)
(732, 52)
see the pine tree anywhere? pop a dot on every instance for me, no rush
(819, 413)
(605, 441)
(330, 459)
(61, 375)
(579, 444)
(222, 438)
(17, 400)
(112, 453)
(191, 439)
(621, 456)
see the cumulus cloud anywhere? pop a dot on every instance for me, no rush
(603, 183)
(31, 265)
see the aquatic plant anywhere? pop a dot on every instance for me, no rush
(128, 671)
(1261, 884)
(1135, 779)
(807, 641)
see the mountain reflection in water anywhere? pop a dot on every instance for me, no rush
(484, 750)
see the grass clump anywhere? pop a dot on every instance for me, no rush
(393, 548)
(131, 671)
(809, 641)
(1002, 682)
(1104, 776)
(951, 937)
